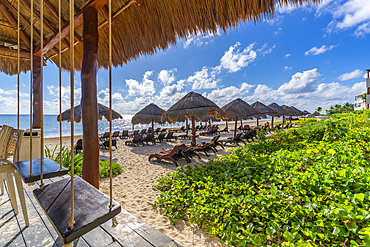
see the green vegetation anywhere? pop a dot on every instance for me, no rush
(341, 108)
(308, 186)
(65, 155)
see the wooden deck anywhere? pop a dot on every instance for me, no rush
(130, 230)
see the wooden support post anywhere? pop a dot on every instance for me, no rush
(36, 91)
(193, 130)
(236, 125)
(153, 127)
(272, 123)
(257, 122)
(89, 102)
(187, 126)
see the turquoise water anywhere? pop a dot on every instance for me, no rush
(51, 125)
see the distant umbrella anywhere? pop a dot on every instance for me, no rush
(263, 109)
(305, 112)
(290, 111)
(298, 112)
(239, 109)
(102, 109)
(149, 114)
(193, 105)
(280, 110)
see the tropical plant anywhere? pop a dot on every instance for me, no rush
(339, 108)
(319, 109)
(65, 156)
(308, 186)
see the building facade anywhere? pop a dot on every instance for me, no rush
(360, 102)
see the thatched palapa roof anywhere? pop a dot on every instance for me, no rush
(192, 104)
(298, 112)
(148, 114)
(136, 29)
(263, 109)
(240, 109)
(290, 111)
(280, 110)
(103, 111)
(305, 112)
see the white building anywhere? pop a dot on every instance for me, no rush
(360, 102)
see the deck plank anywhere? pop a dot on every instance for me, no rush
(97, 237)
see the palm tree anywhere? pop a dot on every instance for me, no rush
(319, 109)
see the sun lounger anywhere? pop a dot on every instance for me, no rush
(105, 144)
(115, 135)
(124, 134)
(172, 155)
(170, 136)
(78, 146)
(136, 140)
(225, 130)
(149, 138)
(136, 132)
(143, 132)
(212, 131)
(158, 130)
(104, 137)
(236, 140)
(160, 137)
(249, 135)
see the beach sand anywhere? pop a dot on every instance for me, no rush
(133, 188)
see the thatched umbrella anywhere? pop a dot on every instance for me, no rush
(279, 110)
(149, 114)
(316, 113)
(102, 109)
(239, 109)
(290, 111)
(181, 118)
(264, 110)
(305, 113)
(193, 105)
(298, 112)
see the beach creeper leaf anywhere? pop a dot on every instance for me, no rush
(336, 231)
(360, 197)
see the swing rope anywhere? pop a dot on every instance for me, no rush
(41, 91)
(31, 86)
(71, 68)
(60, 82)
(18, 80)
(110, 103)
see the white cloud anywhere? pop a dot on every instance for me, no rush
(145, 88)
(13, 92)
(103, 96)
(223, 96)
(365, 75)
(262, 93)
(167, 77)
(203, 79)
(288, 55)
(288, 68)
(133, 106)
(301, 82)
(288, 8)
(278, 31)
(54, 91)
(348, 76)
(170, 94)
(199, 39)
(316, 51)
(265, 50)
(236, 60)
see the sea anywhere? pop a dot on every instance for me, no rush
(52, 126)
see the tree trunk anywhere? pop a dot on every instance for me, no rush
(36, 86)
(89, 102)
(193, 129)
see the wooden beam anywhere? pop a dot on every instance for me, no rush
(6, 49)
(47, 23)
(119, 11)
(98, 4)
(51, 8)
(8, 16)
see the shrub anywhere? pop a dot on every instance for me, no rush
(304, 187)
(65, 156)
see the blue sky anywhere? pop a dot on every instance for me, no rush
(307, 57)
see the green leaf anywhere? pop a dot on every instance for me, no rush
(288, 236)
(270, 231)
(342, 212)
(336, 231)
(360, 197)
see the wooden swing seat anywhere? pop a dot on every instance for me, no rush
(51, 169)
(91, 207)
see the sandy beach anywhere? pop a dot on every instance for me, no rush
(133, 188)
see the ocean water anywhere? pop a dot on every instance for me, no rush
(51, 125)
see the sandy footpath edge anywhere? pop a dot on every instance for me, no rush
(133, 188)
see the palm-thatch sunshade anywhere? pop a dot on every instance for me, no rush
(280, 110)
(149, 114)
(316, 113)
(291, 111)
(305, 113)
(298, 112)
(239, 109)
(264, 110)
(193, 105)
(102, 109)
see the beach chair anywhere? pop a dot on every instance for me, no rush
(197, 127)
(189, 152)
(149, 130)
(115, 135)
(249, 135)
(143, 132)
(224, 130)
(136, 140)
(214, 142)
(170, 136)
(204, 148)
(161, 137)
(158, 130)
(212, 131)
(149, 138)
(105, 144)
(235, 140)
(78, 146)
(182, 129)
(124, 134)
(136, 132)
(172, 155)
(104, 137)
